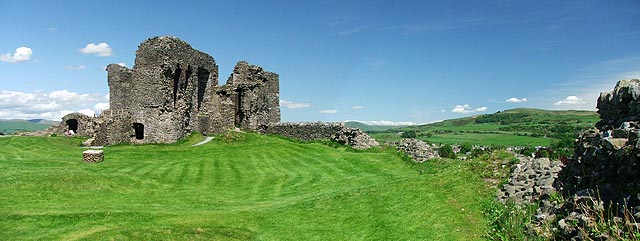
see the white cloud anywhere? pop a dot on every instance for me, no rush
(122, 64)
(328, 111)
(101, 106)
(20, 55)
(357, 107)
(516, 100)
(293, 105)
(386, 123)
(53, 105)
(466, 108)
(76, 67)
(571, 100)
(88, 112)
(101, 49)
(52, 29)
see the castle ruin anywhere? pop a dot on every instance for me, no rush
(171, 91)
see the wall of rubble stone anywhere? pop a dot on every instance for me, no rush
(303, 131)
(85, 125)
(223, 118)
(606, 157)
(604, 170)
(605, 166)
(310, 131)
(257, 96)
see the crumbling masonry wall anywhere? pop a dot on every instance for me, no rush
(172, 90)
(256, 96)
(304, 131)
(310, 131)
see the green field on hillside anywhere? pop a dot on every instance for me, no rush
(365, 127)
(485, 139)
(11, 126)
(237, 187)
(516, 127)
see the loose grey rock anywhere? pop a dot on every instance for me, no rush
(419, 150)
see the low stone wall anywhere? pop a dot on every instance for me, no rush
(303, 131)
(310, 131)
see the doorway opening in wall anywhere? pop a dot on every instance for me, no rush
(73, 125)
(139, 129)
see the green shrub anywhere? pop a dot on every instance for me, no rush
(446, 151)
(528, 151)
(465, 147)
(477, 152)
(542, 153)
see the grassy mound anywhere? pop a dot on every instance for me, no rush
(236, 187)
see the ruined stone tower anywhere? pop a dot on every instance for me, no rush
(172, 90)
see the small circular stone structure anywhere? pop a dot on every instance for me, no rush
(93, 156)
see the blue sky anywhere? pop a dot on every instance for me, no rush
(375, 61)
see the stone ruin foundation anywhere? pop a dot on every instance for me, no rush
(310, 131)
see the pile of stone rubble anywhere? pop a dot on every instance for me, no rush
(419, 150)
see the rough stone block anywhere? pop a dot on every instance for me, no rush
(93, 156)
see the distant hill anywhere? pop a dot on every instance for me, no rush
(365, 127)
(515, 127)
(11, 126)
(43, 121)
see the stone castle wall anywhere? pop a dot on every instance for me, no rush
(256, 94)
(172, 90)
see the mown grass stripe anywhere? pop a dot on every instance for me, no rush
(254, 187)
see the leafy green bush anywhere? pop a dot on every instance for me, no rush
(465, 147)
(445, 151)
(542, 153)
(477, 152)
(528, 151)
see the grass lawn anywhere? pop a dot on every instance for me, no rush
(237, 187)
